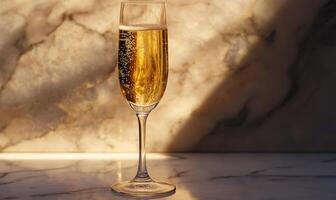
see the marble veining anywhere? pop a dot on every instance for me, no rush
(197, 176)
(244, 77)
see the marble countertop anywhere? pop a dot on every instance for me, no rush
(197, 176)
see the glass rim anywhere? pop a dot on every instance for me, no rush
(143, 1)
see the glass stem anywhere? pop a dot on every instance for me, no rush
(142, 174)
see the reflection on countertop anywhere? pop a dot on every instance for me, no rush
(197, 176)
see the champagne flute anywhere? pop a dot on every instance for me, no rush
(143, 73)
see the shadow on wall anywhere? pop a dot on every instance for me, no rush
(287, 106)
(242, 93)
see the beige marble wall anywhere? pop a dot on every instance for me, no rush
(229, 69)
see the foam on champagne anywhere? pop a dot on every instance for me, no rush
(142, 27)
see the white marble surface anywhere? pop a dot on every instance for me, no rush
(229, 78)
(197, 176)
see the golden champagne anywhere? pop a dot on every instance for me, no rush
(143, 63)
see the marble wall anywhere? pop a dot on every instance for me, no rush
(245, 76)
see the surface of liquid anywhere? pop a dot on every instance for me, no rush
(143, 63)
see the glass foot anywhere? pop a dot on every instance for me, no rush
(144, 189)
